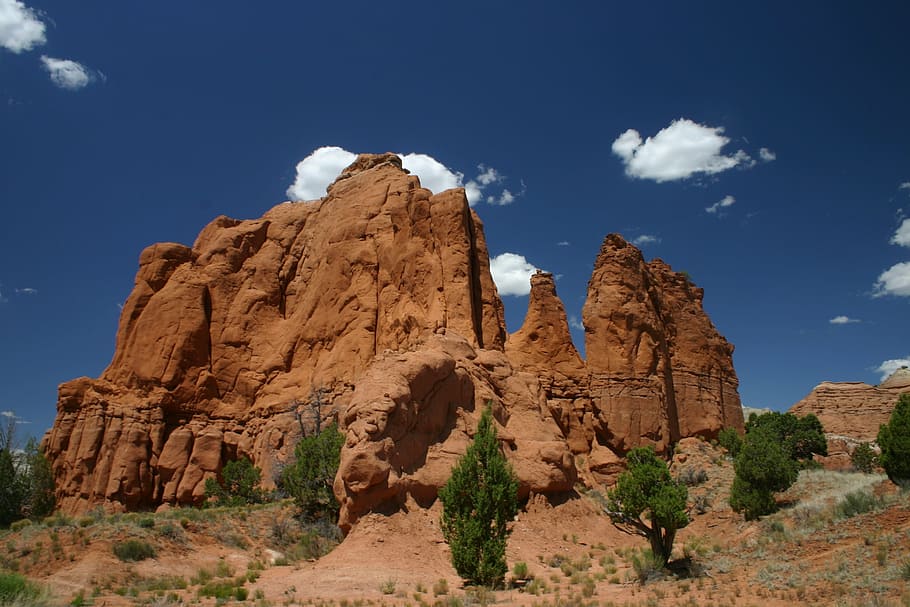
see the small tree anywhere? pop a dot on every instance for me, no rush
(478, 501)
(762, 467)
(729, 439)
(863, 458)
(647, 501)
(894, 441)
(310, 477)
(800, 436)
(239, 484)
(39, 500)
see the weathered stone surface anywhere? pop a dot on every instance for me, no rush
(659, 368)
(381, 295)
(851, 412)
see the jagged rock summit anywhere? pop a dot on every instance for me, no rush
(379, 297)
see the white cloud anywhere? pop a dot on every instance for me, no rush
(474, 192)
(679, 151)
(563, 243)
(766, 155)
(843, 320)
(890, 366)
(67, 74)
(317, 171)
(645, 239)
(503, 199)
(902, 235)
(723, 203)
(433, 175)
(488, 175)
(904, 186)
(575, 323)
(20, 27)
(26, 291)
(512, 274)
(894, 281)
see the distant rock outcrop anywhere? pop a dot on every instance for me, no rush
(380, 295)
(851, 412)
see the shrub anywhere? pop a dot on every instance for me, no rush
(134, 550)
(440, 587)
(239, 484)
(648, 566)
(15, 588)
(857, 502)
(730, 440)
(309, 479)
(863, 458)
(800, 437)
(692, 477)
(762, 467)
(894, 441)
(478, 501)
(647, 501)
(520, 571)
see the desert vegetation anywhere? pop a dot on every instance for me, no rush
(894, 440)
(648, 502)
(26, 480)
(837, 538)
(478, 502)
(768, 459)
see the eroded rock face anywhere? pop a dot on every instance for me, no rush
(381, 295)
(851, 412)
(218, 340)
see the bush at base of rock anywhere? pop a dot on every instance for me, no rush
(239, 484)
(479, 500)
(309, 479)
(863, 458)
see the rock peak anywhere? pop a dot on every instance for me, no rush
(544, 342)
(379, 300)
(899, 379)
(365, 162)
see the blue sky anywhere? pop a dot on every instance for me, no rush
(126, 123)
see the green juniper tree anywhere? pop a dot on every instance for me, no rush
(775, 447)
(479, 500)
(863, 458)
(647, 501)
(310, 477)
(894, 441)
(763, 466)
(239, 484)
(26, 478)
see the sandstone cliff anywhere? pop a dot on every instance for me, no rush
(851, 412)
(381, 295)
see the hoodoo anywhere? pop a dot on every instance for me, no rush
(380, 296)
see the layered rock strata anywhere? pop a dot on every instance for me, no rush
(379, 296)
(852, 412)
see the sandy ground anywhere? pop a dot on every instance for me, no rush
(804, 554)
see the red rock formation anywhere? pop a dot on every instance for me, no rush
(659, 368)
(851, 412)
(219, 340)
(381, 294)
